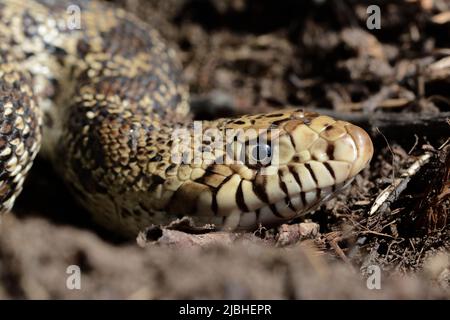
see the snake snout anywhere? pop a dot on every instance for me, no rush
(364, 148)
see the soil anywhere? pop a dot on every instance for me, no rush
(255, 56)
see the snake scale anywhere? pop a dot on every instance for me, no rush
(102, 102)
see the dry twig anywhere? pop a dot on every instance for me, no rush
(391, 193)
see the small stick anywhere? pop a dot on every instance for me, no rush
(333, 239)
(391, 193)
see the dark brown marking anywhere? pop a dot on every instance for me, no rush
(296, 176)
(208, 173)
(224, 180)
(292, 141)
(240, 199)
(283, 187)
(214, 206)
(278, 122)
(281, 183)
(311, 171)
(275, 115)
(330, 151)
(83, 48)
(274, 210)
(156, 158)
(272, 126)
(170, 168)
(330, 169)
(209, 169)
(156, 180)
(260, 190)
(303, 198)
(3, 142)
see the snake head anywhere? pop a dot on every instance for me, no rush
(281, 165)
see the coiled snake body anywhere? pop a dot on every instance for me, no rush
(105, 100)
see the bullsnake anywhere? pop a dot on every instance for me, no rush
(102, 102)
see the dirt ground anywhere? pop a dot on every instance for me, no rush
(254, 56)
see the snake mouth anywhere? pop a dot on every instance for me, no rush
(287, 209)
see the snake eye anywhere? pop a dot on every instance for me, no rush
(261, 154)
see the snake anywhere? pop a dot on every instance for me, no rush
(103, 100)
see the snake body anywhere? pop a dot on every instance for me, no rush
(102, 103)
